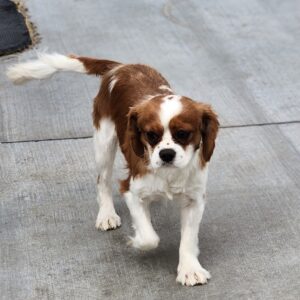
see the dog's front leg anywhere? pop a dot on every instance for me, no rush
(145, 236)
(189, 271)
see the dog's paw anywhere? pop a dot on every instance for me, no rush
(192, 275)
(144, 243)
(108, 221)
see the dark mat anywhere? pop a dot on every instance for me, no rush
(14, 34)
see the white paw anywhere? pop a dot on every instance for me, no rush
(144, 244)
(107, 221)
(192, 275)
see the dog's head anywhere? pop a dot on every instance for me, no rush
(168, 130)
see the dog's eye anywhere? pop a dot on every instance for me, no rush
(152, 137)
(182, 135)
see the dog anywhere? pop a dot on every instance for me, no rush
(167, 141)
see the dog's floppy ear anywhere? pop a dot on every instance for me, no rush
(135, 133)
(209, 126)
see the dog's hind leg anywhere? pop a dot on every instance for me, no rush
(105, 143)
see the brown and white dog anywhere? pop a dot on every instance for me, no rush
(166, 139)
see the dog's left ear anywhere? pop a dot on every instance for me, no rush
(209, 126)
(135, 133)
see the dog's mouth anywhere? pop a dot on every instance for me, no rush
(168, 165)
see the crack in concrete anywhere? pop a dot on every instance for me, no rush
(90, 136)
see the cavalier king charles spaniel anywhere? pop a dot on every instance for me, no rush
(167, 141)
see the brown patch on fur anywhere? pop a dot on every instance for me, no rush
(134, 133)
(188, 120)
(202, 122)
(144, 118)
(96, 66)
(209, 131)
(141, 118)
(124, 185)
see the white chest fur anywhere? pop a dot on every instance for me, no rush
(172, 182)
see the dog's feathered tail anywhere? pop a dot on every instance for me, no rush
(47, 64)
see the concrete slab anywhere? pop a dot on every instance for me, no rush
(242, 56)
(249, 237)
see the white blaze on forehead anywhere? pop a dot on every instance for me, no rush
(170, 107)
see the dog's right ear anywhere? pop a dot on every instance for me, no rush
(135, 133)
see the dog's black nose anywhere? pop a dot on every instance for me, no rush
(167, 155)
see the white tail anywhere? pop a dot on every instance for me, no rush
(43, 67)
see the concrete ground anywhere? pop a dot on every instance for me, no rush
(241, 56)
